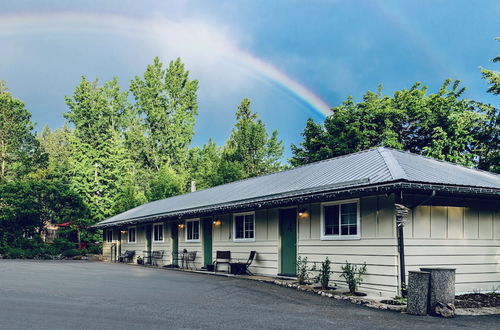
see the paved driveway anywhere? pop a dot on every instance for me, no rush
(90, 295)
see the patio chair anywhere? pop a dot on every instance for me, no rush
(157, 255)
(242, 268)
(127, 256)
(222, 257)
(191, 256)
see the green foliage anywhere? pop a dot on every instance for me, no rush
(167, 183)
(323, 276)
(353, 275)
(302, 270)
(249, 151)
(166, 101)
(442, 125)
(19, 152)
(73, 252)
(492, 77)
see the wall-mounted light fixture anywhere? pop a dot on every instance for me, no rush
(181, 225)
(123, 231)
(303, 213)
(217, 222)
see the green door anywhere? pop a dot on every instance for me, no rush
(207, 242)
(288, 233)
(174, 229)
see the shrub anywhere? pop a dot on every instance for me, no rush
(15, 253)
(94, 249)
(302, 270)
(353, 275)
(61, 245)
(323, 276)
(71, 253)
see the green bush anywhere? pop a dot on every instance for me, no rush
(323, 276)
(61, 245)
(94, 249)
(302, 270)
(16, 253)
(353, 275)
(71, 253)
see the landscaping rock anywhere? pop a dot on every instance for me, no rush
(447, 310)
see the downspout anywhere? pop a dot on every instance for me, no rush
(401, 219)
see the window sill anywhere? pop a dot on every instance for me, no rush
(193, 241)
(237, 240)
(158, 241)
(340, 238)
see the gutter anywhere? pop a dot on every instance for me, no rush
(401, 218)
(302, 196)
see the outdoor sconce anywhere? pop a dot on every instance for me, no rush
(181, 225)
(217, 222)
(303, 213)
(123, 232)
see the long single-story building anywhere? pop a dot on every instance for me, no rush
(394, 210)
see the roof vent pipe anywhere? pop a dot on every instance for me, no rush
(193, 186)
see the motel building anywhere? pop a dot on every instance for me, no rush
(393, 210)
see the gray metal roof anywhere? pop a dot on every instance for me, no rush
(370, 167)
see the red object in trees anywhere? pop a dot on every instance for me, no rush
(65, 224)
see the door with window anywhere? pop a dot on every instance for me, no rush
(207, 241)
(288, 234)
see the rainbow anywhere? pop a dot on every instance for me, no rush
(161, 29)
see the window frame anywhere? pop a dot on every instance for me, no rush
(235, 239)
(135, 235)
(107, 237)
(162, 232)
(340, 237)
(186, 231)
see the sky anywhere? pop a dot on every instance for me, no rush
(293, 59)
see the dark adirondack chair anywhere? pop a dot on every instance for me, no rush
(127, 256)
(242, 268)
(222, 257)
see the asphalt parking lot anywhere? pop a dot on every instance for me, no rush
(97, 295)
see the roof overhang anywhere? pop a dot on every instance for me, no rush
(308, 196)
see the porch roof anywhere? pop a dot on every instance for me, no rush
(368, 169)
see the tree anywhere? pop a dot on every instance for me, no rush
(249, 151)
(442, 125)
(56, 145)
(27, 206)
(98, 157)
(167, 183)
(203, 164)
(166, 102)
(19, 151)
(492, 77)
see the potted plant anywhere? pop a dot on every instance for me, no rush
(139, 260)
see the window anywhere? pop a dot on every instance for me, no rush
(109, 235)
(158, 232)
(193, 230)
(131, 235)
(244, 227)
(340, 220)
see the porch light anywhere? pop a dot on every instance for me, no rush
(217, 222)
(181, 225)
(123, 231)
(303, 213)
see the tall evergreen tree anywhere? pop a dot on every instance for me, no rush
(249, 151)
(98, 155)
(166, 101)
(19, 151)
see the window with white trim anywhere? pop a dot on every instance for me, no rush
(244, 227)
(193, 230)
(131, 234)
(340, 220)
(109, 235)
(158, 232)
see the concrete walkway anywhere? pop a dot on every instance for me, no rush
(97, 295)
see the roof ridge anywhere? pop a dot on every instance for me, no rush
(282, 171)
(480, 171)
(396, 170)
